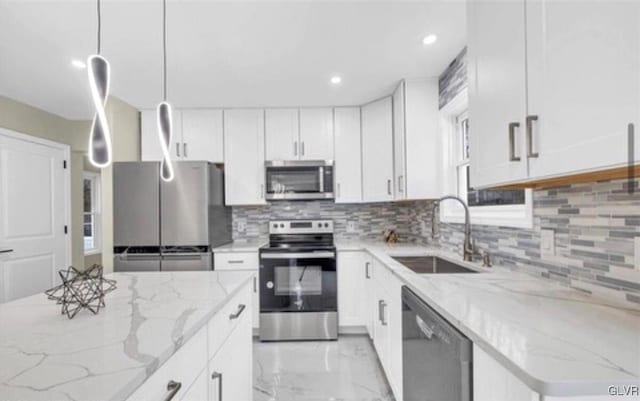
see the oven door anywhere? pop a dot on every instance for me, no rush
(298, 180)
(298, 282)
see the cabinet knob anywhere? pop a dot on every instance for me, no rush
(172, 389)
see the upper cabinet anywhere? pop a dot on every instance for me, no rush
(348, 161)
(299, 134)
(244, 156)
(196, 135)
(150, 140)
(282, 131)
(553, 88)
(316, 134)
(417, 145)
(377, 151)
(202, 135)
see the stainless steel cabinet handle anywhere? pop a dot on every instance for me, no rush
(172, 389)
(400, 181)
(383, 310)
(236, 262)
(389, 187)
(295, 148)
(302, 150)
(184, 150)
(261, 191)
(236, 315)
(6, 250)
(530, 152)
(178, 149)
(218, 376)
(366, 270)
(380, 302)
(255, 284)
(512, 142)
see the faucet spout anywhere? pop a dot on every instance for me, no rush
(467, 252)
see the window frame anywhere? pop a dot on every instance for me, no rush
(518, 216)
(96, 211)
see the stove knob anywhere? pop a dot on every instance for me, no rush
(275, 226)
(281, 225)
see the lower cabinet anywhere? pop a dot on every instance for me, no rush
(352, 295)
(214, 365)
(243, 261)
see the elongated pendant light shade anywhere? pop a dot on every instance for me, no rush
(99, 136)
(165, 132)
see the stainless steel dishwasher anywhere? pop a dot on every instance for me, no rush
(437, 358)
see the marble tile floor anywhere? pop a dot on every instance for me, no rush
(343, 370)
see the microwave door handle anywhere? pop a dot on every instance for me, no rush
(321, 179)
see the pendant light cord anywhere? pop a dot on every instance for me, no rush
(99, 25)
(164, 49)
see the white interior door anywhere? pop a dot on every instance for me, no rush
(33, 214)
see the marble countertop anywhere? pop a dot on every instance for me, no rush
(557, 340)
(45, 356)
(239, 246)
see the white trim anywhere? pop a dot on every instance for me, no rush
(520, 216)
(67, 179)
(96, 203)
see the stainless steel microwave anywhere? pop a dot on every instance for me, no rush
(299, 179)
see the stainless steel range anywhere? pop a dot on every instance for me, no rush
(298, 282)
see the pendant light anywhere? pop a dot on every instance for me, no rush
(99, 74)
(164, 111)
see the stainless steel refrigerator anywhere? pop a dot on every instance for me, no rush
(168, 226)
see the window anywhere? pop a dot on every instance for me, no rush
(511, 208)
(91, 209)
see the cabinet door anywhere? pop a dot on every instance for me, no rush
(377, 151)
(150, 141)
(316, 134)
(231, 369)
(281, 133)
(395, 336)
(381, 326)
(497, 96)
(202, 133)
(369, 290)
(244, 156)
(399, 150)
(199, 390)
(583, 83)
(348, 160)
(351, 289)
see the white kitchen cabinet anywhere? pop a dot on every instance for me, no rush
(381, 328)
(563, 109)
(583, 84)
(492, 382)
(202, 135)
(377, 151)
(394, 375)
(348, 161)
(282, 133)
(497, 91)
(417, 149)
(316, 134)
(231, 369)
(150, 141)
(369, 291)
(197, 135)
(199, 390)
(242, 261)
(244, 156)
(352, 296)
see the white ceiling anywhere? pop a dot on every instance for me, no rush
(224, 53)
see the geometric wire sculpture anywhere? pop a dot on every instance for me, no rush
(81, 290)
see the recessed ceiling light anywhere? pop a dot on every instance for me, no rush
(336, 79)
(78, 64)
(429, 39)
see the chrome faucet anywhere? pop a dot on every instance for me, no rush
(467, 252)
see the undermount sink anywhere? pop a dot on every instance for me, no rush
(431, 265)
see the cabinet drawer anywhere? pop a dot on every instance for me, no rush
(236, 261)
(183, 367)
(226, 320)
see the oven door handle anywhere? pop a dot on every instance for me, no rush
(299, 255)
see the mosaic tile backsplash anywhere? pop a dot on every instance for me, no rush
(595, 225)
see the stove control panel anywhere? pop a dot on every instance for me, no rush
(301, 227)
